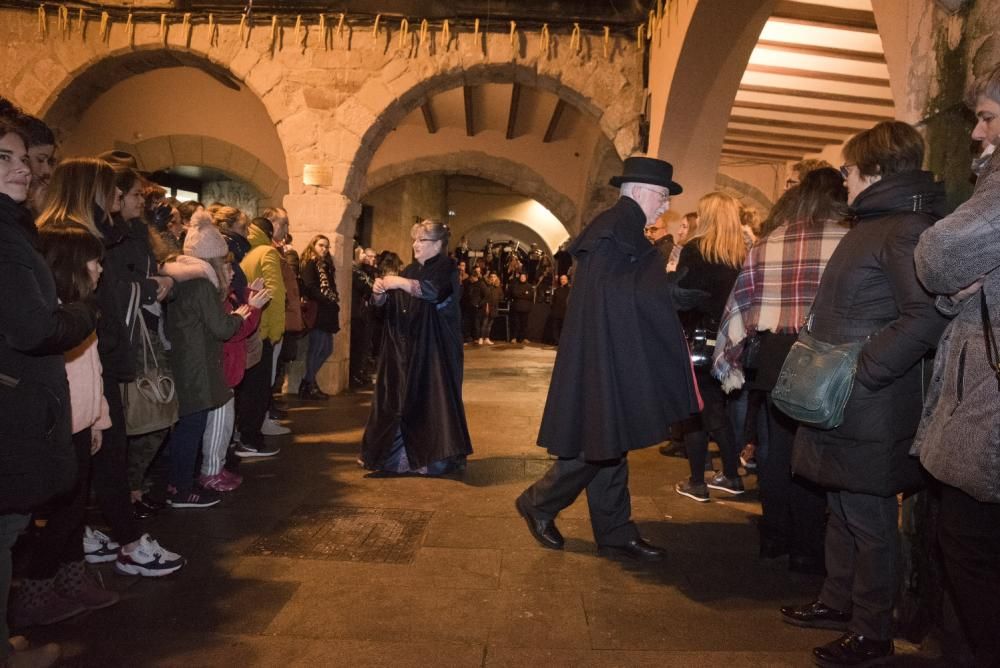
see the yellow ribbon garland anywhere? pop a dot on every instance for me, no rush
(43, 27)
(378, 17)
(607, 40)
(243, 25)
(130, 30)
(212, 30)
(105, 28)
(640, 38)
(574, 40)
(424, 26)
(513, 34)
(340, 25)
(186, 27)
(445, 34)
(404, 32)
(545, 38)
(64, 20)
(163, 29)
(79, 20)
(297, 31)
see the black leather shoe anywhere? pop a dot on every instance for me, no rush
(853, 649)
(544, 531)
(816, 615)
(142, 511)
(637, 549)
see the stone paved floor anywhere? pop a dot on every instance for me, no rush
(310, 563)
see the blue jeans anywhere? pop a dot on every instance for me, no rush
(185, 442)
(320, 349)
(10, 527)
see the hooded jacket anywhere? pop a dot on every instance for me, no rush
(264, 261)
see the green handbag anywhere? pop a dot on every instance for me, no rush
(816, 381)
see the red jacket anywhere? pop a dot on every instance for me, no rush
(234, 351)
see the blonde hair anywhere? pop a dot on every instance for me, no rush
(719, 237)
(77, 184)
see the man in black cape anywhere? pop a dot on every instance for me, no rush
(622, 375)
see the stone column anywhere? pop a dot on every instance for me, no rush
(334, 216)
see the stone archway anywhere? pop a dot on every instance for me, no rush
(695, 83)
(473, 163)
(158, 153)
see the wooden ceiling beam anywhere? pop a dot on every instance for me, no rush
(515, 98)
(825, 17)
(818, 74)
(554, 121)
(780, 136)
(811, 111)
(794, 125)
(802, 148)
(759, 154)
(825, 51)
(470, 127)
(428, 117)
(818, 95)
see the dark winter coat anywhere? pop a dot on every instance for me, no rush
(327, 305)
(560, 300)
(715, 279)
(197, 326)
(522, 296)
(622, 374)
(419, 386)
(36, 453)
(128, 263)
(492, 296)
(473, 293)
(959, 437)
(870, 291)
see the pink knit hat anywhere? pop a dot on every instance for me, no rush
(203, 239)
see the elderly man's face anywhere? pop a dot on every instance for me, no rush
(564, 280)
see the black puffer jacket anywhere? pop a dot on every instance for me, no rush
(870, 289)
(36, 455)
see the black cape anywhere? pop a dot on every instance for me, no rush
(622, 374)
(419, 385)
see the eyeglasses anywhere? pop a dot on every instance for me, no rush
(845, 169)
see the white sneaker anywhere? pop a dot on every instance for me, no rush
(98, 547)
(273, 428)
(148, 559)
(479, 342)
(488, 342)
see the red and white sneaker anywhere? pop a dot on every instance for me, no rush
(148, 559)
(217, 483)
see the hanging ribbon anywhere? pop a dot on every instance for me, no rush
(79, 20)
(163, 29)
(243, 25)
(404, 32)
(378, 17)
(659, 10)
(186, 27)
(607, 40)
(340, 25)
(445, 34)
(423, 32)
(130, 30)
(297, 31)
(574, 40)
(103, 32)
(274, 31)
(43, 27)
(640, 37)
(513, 34)
(212, 30)
(545, 38)
(649, 24)
(64, 20)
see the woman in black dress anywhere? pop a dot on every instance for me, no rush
(417, 424)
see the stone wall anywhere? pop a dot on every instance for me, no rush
(332, 98)
(398, 206)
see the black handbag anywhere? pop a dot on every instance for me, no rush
(702, 346)
(816, 381)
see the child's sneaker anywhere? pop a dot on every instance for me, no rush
(197, 497)
(98, 547)
(232, 476)
(217, 483)
(148, 559)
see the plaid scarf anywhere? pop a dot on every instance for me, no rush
(774, 291)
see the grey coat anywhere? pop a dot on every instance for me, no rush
(958, 440)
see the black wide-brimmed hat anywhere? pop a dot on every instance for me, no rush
(648, 170)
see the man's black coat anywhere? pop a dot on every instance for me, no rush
(622, 375)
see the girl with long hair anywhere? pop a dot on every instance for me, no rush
(57, 583)
(710, 262)
(319, 285)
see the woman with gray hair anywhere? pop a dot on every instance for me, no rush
(417, 423)
(957, 441)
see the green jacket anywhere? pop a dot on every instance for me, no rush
(196, 326)
(264, 261)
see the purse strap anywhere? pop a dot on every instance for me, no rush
(992, 354)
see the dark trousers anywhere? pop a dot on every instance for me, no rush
(110, 472)
(607, 496)
(519, 324)
(361, 347)
(862, 560)
(185, 444)
(557, 325)
(320, 349)
(484, 323)
(969, 535)
(252, 398)
(714, 420)
(794, 509)
(60, 541)
(10, 526)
